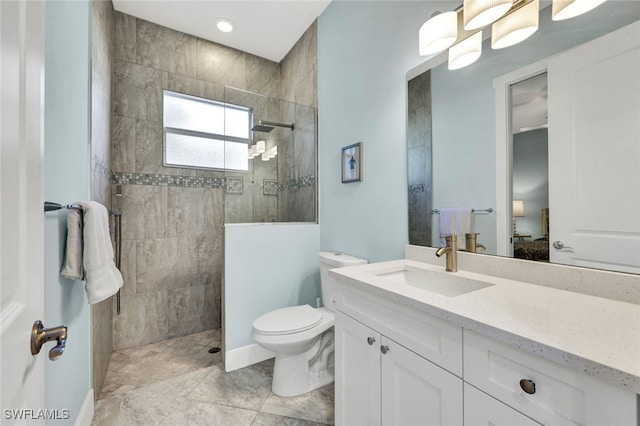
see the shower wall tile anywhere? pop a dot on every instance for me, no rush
(144, 212)
(165, 49)
(138, 91)
(124, 35)
(262, 76)
(213, 302)
(188, 313)
(123, 156)
(213, 209)
(164, 263)
(128, 267)
(299, 70)
(195, 87)
(144, 318)
(220, 64)
(209, 256)
(185, 212)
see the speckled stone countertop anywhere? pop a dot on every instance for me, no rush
(594, 335)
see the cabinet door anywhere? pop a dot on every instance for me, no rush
(482, 410)
(357, 369)
(416, 391)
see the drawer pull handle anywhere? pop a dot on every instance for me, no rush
(371, 340)
(529, 386)
(384, 349)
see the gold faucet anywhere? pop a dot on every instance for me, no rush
(471, 245)
(450, 250)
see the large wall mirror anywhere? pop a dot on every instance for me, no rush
(482, 138)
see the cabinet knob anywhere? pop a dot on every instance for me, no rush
(384, 349)
(371, 340)
(529, 386)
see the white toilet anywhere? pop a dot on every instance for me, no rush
(302, 336)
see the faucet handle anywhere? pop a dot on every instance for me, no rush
(450, 240)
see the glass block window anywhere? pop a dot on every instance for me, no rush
(205, 134)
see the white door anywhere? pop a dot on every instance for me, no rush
(594, 153)
(21, 206)
(416, 391)
(357, 358)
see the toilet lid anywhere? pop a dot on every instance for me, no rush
(288, 320)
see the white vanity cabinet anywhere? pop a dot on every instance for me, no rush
(543, 390)
(399, 365)
(380, 382)
(482, 410)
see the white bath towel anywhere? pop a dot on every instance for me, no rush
(456, 221)
(72, 267)
(102, 278)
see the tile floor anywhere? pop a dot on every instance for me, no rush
(178, 382)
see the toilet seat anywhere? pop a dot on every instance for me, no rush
(294, 319)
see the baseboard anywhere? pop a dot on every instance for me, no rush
(86, 411)
(245, 356)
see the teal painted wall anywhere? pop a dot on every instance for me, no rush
(66, 179)
(364, 52)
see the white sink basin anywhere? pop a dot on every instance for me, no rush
(448, 284)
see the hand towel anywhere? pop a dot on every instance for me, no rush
(456, 221)
(102, 278)
(72, 267)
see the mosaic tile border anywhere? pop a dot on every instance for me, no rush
(232, 185)
(127, 178)
(414, 189)
(297, 183)
(235, 185)
(269, 187)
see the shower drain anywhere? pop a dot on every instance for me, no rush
(214, 350)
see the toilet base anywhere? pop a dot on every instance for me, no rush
(297, 374)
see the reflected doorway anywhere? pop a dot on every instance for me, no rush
(530, 169)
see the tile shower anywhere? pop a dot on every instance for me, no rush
(172, 247)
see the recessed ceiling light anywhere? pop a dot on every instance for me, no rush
(224, 25)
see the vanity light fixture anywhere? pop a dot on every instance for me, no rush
(565, 9)
(515, 27)
(480, 13)
(513, 21)
(438, 33)
(225, 25)
(466, 52)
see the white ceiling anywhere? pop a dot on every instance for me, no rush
(264, 28)
(529, 104)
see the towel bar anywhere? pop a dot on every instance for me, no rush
(489, 210)
(49, 206)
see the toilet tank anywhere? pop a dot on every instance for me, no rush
(330, 260)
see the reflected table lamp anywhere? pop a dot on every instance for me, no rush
(518, 211)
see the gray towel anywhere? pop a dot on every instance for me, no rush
(73, 267)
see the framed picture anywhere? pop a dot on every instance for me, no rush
(352, 163)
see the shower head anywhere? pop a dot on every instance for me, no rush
(262, 128)
(267, 126)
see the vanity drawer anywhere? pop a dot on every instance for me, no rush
(561, 396)
(437, 340)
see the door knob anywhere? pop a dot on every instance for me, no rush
(560, 245)
(41, 335)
